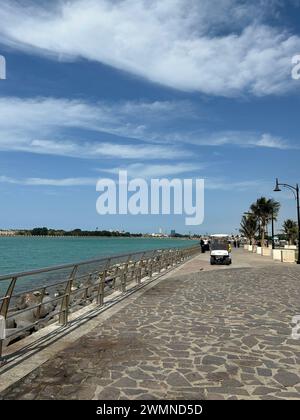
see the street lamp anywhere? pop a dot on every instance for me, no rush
(295, 191)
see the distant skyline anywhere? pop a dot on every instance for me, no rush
(173, 88)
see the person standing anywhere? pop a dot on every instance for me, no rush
(202, 246)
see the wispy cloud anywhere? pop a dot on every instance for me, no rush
(39, 125)
(140, 171)
(142, 131)
(63, 182)
(212, 183)
(242, 139)
(218, 48)
(95, 150)
(156, 171)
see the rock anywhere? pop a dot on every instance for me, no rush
(24, 319)
(27, 300)
(46, 308)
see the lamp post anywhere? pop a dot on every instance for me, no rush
(295, 191)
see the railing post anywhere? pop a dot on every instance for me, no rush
(64, 309)
(162, 261)
(5, 306)
(115, 275)
(174, 257)
(100, 295)
(38, 312)
(89, 283)
(150, 263)
(124, 275)
(167, 259)
(140, 268)
(171, 257)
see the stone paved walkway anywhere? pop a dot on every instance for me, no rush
(221, 334)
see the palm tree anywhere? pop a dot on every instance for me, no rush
(249, 227)
(290, 229)
(264, 210)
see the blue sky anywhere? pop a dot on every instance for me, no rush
(175, 88)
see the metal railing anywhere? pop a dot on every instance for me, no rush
(61, 290)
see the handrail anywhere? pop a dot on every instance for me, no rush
(69, 265)
(77, 290)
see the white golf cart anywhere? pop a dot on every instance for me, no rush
(220, 249)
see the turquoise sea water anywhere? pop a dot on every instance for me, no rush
(27, 253)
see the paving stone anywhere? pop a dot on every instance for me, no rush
(125, 383)
(263, 390)
(250, 341)
(86, 393)
(139, 374)
(146, 397)
(227, 390)
(218, 376)
(177, 380)
(264, 372)
(288, 395)
(213, 360)
(286, 378)
(108, 393)
(232, 383)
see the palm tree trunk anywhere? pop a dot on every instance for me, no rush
(263, 233)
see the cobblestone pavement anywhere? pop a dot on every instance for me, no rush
(222, 334)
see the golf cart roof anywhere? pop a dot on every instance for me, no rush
(220, 235)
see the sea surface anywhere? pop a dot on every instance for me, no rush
(19, 254)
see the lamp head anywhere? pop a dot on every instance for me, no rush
(277, 189)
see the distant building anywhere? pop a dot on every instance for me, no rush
(7, 232)
(173, 233)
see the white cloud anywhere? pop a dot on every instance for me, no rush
(126, 119)
(212, 183)
(242, 139)
(218, 48)
(88, 150)
(47, 126)
(267, 140)
(63, 182)
(146, 171)
(39, 125)
(157, 171)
